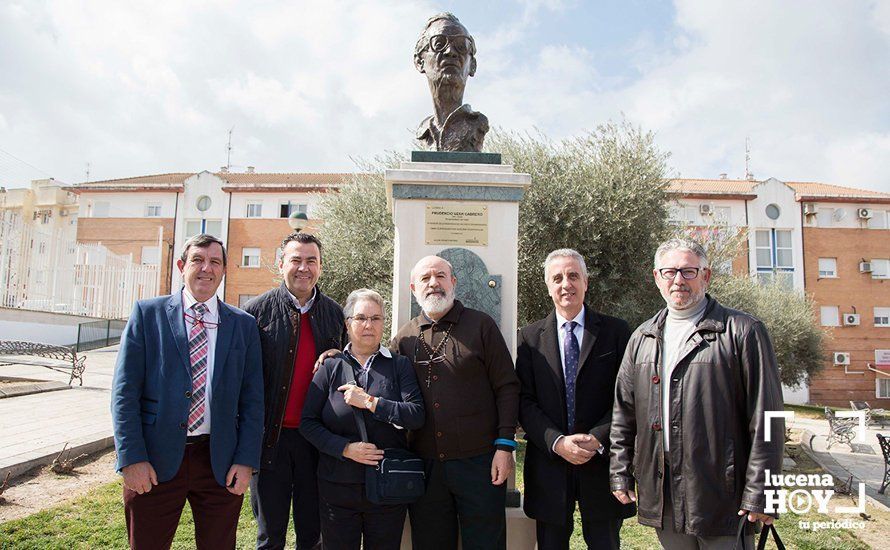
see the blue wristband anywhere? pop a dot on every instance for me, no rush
(507, 442)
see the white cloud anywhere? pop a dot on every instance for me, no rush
(145, 87)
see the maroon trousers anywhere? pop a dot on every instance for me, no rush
(152, 517)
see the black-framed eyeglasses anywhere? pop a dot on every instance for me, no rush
(688, 273)
(460, 42)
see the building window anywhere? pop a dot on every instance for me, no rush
(250, 257)
(211, 227)
(244, 298)
(775, 257)
(151, 255)
(880, 268)
(41, 248)
(882, 316)
(100, 209)
(878, 219)
(254, 210)
(722, 215)
(288, 208)
(830, 316)
(882, 389)
(152, 210)
(827, 267)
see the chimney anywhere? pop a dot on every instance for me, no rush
(750, 177)
(723, 176)
(224, 169)
(251, 169)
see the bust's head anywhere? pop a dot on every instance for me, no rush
(445, 51)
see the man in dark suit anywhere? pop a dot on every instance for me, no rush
(567, 364)
(187, 407)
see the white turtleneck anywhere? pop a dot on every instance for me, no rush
(678, 327)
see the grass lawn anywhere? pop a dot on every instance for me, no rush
(97, 521)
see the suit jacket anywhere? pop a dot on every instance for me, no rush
(150, 395)
(542, 414)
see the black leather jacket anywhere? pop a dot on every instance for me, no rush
(279, 323)
(725, 379)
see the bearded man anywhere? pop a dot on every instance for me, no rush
(471, 395)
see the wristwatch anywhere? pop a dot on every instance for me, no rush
(369, 402)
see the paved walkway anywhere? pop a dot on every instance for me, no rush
(863, 460)
(34, 428)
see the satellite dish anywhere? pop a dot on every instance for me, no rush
(839, 214)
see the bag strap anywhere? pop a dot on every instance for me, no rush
(764, 535)
(741, 541)
(359, 415)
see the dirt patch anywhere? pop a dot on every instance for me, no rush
(40, 488)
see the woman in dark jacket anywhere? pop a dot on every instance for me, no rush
(382, 386)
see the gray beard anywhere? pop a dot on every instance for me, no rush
(436, 304)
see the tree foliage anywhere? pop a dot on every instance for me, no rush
(358, 233)
(603, 194)
(787, 315)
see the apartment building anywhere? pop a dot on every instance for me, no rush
(37, 225)
(829, 241)
(151, 217)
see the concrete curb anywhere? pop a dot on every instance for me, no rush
(89, 448)
(882, 502)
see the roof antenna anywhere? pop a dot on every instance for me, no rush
(748, 175)
(229, 151)
(88, 172)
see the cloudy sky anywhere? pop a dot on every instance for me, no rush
(143, 87)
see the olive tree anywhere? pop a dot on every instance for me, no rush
(603, 194)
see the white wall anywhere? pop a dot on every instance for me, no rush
(737, 214)
(203, 183)
(272, 203)
(843, 215)
(128, 204)
(773, 191)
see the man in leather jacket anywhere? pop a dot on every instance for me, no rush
(688, 424)
(297, 322)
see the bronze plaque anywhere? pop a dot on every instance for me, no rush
(456, 223)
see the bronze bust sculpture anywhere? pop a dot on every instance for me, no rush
(446, 54)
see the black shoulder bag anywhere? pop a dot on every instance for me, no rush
(398, 478)
(767, 530)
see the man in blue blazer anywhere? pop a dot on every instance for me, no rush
(187, 407)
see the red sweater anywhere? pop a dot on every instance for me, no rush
(304, 360)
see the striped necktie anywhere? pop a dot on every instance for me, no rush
(198, 348)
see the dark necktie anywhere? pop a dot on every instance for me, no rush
(572, 353)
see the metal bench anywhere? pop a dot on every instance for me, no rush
(885, 448)
(71, 362)
(872, 416)
(840, 430)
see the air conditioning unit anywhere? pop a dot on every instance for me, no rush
(841, 358)
(705, 209)
(863, 213)
(63, 213)
(809, 208)
(864, 267)
(851, 319)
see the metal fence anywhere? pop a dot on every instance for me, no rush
(99, 334)
(47, 271)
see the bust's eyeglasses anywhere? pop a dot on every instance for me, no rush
(363, 319)
(460, 42)
(688, 273)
